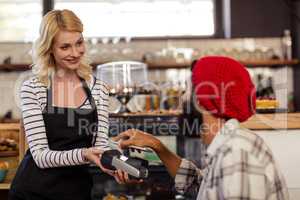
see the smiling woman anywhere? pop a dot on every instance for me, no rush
(54, 102)
(68, 48)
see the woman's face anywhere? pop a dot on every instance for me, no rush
(68, 49)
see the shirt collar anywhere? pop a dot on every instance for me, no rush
(222, 136)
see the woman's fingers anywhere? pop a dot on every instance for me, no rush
(97, 162)
(121, 175)
(109, 172)
(96, 150)
(126, 177)
(117, 177)
(123, 178)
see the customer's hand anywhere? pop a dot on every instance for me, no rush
(137, 138)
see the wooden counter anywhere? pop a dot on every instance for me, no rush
(256, 122)
(273, 121)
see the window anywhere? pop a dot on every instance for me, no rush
(19, 19)
(143, 18)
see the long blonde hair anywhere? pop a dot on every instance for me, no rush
(43, 61)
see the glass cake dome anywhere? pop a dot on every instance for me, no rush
(122, 76)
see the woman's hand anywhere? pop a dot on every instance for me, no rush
(120, 176)
(137, 138)
(94, 154)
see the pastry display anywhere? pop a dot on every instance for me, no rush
(7, 144)
(4, 165)
(113, 197)
(267, 103)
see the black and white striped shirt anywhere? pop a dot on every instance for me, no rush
(34, 99)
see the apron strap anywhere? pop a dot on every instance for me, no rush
(88, 93)
(49, 94)
(94, 107)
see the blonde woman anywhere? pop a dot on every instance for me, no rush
(65, 115)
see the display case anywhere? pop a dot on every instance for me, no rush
(9, 131)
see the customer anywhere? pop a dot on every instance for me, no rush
(65, 115)
(239, 165)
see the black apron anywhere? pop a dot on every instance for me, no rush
(63, 133)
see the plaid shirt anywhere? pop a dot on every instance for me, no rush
(239, 166)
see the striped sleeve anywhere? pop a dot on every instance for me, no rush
(102, 90)
(36, 134)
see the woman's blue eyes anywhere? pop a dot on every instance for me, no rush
(77, 44)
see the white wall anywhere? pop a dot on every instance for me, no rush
(286, 149)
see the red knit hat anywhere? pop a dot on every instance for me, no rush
(224, 88)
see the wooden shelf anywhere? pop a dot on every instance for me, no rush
(269, 63)
(248, 63)
(14, 67)
(10, 126)
(9, 153)
(4, 186)
(173, 65)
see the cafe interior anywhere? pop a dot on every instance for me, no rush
(143, 50)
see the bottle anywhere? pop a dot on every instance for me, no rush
(170, 96)
(291, 106)
(287, 45)
(269, 91)
(259, 87)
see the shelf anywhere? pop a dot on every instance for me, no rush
(9, 153)
(9, 126)
(248, 63)
(172, 64)
(270, 63)
(4, 186)
(14, 67)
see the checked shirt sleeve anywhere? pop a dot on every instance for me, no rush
(188, 178)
